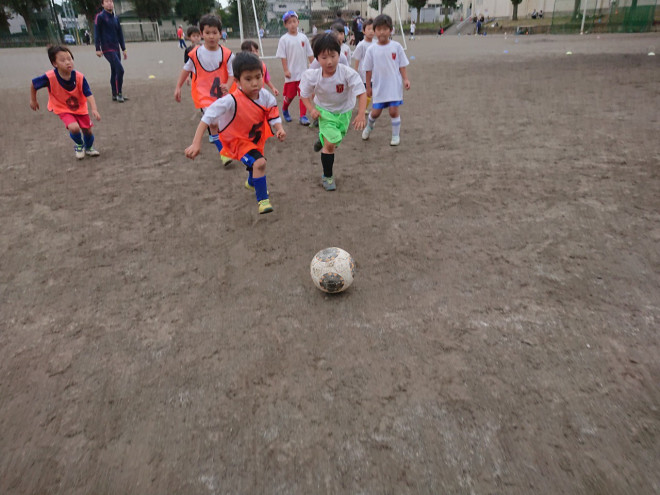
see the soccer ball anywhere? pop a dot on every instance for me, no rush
(332, 270)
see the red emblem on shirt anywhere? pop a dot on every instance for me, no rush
(393, 56)
(302, 43)
(340, 88)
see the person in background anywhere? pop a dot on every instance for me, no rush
(109, 38)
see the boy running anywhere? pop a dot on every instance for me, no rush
(211, 67)
(252, 47)
(244, 118)
(295, 51)
(385, 65)
(68, 94)
(334, 87)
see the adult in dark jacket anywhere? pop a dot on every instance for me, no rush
(109, 39)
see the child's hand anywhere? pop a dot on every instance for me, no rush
(369, 91)
(177, 95)
(192, 151)
(275, 92)
(99, 54)
(287, 74)
(96, 114)
(315, 114)
(281, 134)
(359, 122)
(406, 84)
(34, 105)
(223, 89)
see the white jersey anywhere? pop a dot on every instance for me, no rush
(336, 93)
(222, 111)
(210, 60)
(384, 62)
(342, 60)
(295, 49)
(346, 51)
(358, 54)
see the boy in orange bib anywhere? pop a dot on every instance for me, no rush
(244, 119)
(68, 94)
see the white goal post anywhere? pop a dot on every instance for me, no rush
(141, 31)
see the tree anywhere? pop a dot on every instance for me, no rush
(26, 8)
(229, 15)
(419, 5)
(515, 8)
(193, 10)
(152, 9)
(88, 8)
(374, 3)
(4, 19)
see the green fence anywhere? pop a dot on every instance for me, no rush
(617, 16)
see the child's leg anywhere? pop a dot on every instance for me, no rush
(74, 132)
(328, 158)
(373, 115)
(289, 93)
(303, 108)
(396, 121)
(88, 138)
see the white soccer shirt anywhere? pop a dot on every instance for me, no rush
(222, 111)
(384, 62)
(316, 65)
(346, 51)
(210, 60)
(336, 93)
(295, 49)
(358, 54)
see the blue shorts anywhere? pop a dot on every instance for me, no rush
(385, 104)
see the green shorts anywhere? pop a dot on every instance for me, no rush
(333, 126)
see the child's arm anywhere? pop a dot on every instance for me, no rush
(279, 131)
(182, 78)
(311, 108)
(404, 76)
(92, 104)
(193, 150)
(285, 68)
(357, 63)
(310, 58)
(272, 88)
(34, 104)
(360, 122)
(369, 84)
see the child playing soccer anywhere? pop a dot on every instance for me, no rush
(244, 118)
(68, 94)
(339, 31)
(252, 47)
(361, 50)
(195, 36)
(211, 67)
(334, 87)
(385, 65)
(295, 51)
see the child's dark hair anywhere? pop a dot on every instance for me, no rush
(249, 45)
(326, 42)
(338, 27)
(368, 22)
(383, 20)
(192, 30)
(212, 20)
(245, 61)
(54, 50)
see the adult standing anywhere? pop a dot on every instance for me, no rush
(358, 22)
(180, 37)
(109, 39)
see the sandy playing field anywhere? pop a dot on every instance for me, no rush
(158, 336)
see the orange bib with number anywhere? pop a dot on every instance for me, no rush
(62, 101)
(206, 81)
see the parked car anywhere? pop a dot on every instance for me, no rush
(69, 39)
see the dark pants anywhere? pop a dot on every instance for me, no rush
(182, 43)
(116, 72)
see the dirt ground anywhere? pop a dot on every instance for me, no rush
(501, 336)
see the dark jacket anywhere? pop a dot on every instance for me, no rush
(107, 32)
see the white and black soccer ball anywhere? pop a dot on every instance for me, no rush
(332, 270)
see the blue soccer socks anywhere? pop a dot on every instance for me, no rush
(77, 138)
(89, 141)
(260, 188)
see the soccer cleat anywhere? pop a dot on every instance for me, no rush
(225, 160)
(80, 151)
(329, 183)
(315, 123)
(285, 114)
(120, 98)
(248, 186)
(114, 97)
(91, 152)
(304, 120)
(264, 206)
(366, 132)
(318, 145)
(395, 141)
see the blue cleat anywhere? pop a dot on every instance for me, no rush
(285, 114)
(304, 120)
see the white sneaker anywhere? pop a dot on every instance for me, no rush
(366, 132)
(91, 152)
(80, 152)
(395, 141)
